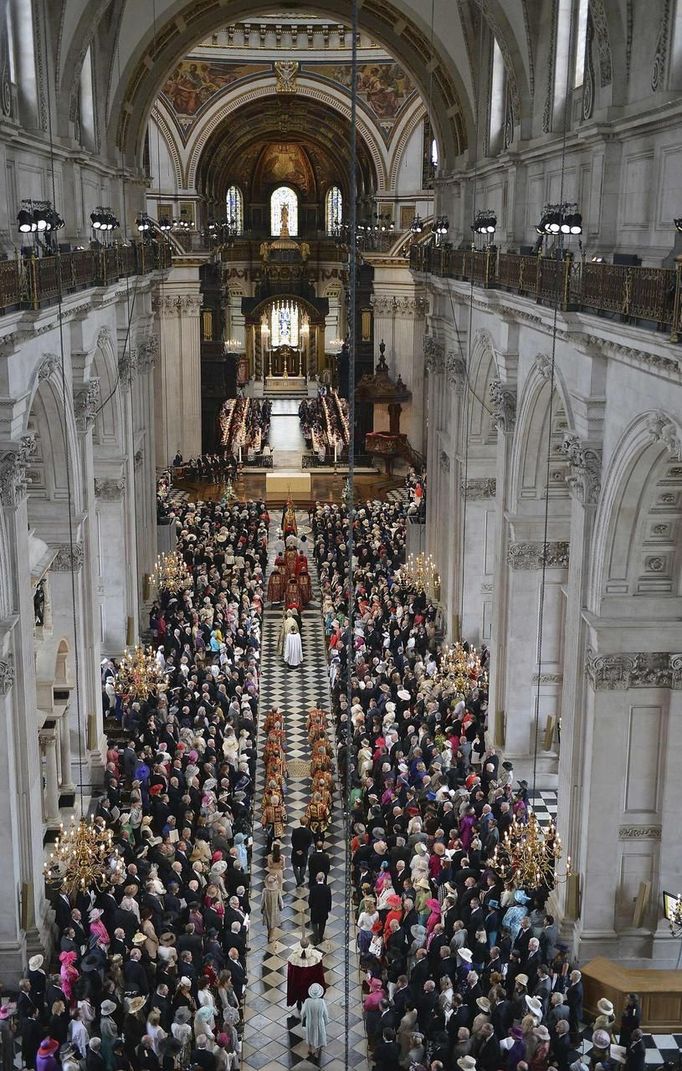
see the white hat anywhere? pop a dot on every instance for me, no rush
(605, 1006)
(35, 963)
(534, 1006)
(466, 954)
(467, 1063)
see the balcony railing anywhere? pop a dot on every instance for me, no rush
(632, 294)
(31, 283)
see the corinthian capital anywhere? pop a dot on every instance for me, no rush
(584, 477)
(13, 464)
(504, 405)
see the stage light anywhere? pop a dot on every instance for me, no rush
(144, 223)
(442, 225)
(25, 221)
(485, 222)
(417, 225)
(678, 224)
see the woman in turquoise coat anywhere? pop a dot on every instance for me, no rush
(314, 1018)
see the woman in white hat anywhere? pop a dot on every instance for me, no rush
(314, 1017)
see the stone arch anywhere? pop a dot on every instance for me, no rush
(481, 372)
(108, 430)
(637, 545)
(232, 99)
(409, 123)
(53, 427)
(151, 55)
(167, 128)
(529, 450)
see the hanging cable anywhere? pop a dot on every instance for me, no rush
(350, 509)
(66, 402)
(550, 419)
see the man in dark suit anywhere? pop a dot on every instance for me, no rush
(486, 1049)
(301, 841)
(320, 904)
(237, 973)
(190, 941)
(387, 1052)
(318, 862)
(574, 999)
(634, 1057)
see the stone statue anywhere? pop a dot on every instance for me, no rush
(284, 222)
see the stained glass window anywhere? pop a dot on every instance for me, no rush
(284, 212)
(334, 210)
(284, 324)
(234, 209)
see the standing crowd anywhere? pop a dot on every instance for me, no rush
(149, 969)
(463, 967)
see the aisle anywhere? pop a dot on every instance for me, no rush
(273, 1040)
(286, 437)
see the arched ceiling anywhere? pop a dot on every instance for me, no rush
(149, 39)
(234, 150)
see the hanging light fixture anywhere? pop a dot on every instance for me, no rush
(103, 219)
(417, 224)
(171, 573)
(485, 222)
(442, 226)
(138, 675)
(143, 223)
(84, 858)
(529, 856)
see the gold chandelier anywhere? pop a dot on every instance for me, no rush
(171, 573)
(138, 673)
(462, 669)
(419, 572)
(529, 856)
(84, 857)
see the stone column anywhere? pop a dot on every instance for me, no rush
(525, 560)
(178, 369)
(48, 741)
(21, 847)
(479, 557)
(145, 471)
(111, 521)
(399, 312)
(66, 785)
(86, 402)
(129, 380)
(503, 401)
(584, 481)
(631, 782)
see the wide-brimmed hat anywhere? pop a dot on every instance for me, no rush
(467, 1063)
(601, 1039)
(36, 962)
(108, 1007)
(534, 1006)
(136, 1004)
(167, 938)
(542, 1032)
(316, 990)
(483, 1003)
(183, 1015)
(95, 913)
(466, 954)
(139, 939)
(521, 979)
(605, 1006)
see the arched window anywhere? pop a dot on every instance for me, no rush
(333, 210)
(234, 209)
(496, 99)
(284, 212)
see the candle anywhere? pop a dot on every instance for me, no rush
(335, 450)
(240, 455)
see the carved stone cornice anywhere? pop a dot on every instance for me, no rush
(644, 669)
(547, 678)
(85, 404)
(65, 561)
(110, 490)
(534, 555)
(6, 674)
(639, 833)
(584, 476)
(477, 488)
(504, 406)
(434, 354)
(543, 365)
(189, 304)
(390, 305)
(13, 465)
(662, 430)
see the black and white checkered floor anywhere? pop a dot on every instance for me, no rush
(273, 1038)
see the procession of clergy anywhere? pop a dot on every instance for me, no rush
(289, 585)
